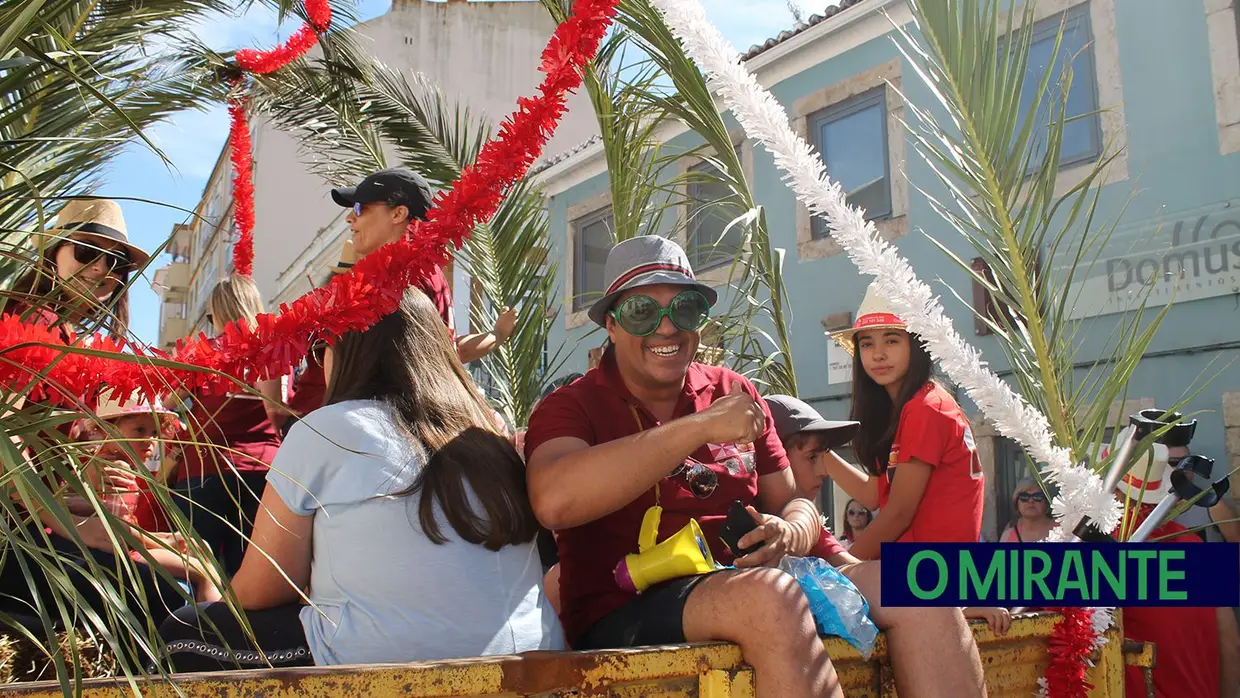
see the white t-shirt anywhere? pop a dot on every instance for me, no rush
(382, 592)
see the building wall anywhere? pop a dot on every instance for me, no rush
(1179, 176)
(483, 53)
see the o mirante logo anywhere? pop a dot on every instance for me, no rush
(1061, 574)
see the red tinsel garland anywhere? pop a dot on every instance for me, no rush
(1071, 643)
(243, 187)
(319, 15)
(349, 302)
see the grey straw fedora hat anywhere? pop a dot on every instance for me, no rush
(96, 218)
(644, 261)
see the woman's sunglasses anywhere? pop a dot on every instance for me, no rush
(641, 315)
(1031, 497)
(86, 253)
(702, 480)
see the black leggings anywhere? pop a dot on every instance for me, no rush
(209, 638)
(19, 589)
(219, 506)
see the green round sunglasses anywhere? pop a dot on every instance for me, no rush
(641, 315)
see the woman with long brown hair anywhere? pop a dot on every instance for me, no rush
(222, 475)
(402, 511)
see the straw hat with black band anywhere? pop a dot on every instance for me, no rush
(100, 220)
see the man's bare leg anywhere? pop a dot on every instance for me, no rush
(933, 654)
(766, 613)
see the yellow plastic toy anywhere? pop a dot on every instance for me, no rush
(683, 555)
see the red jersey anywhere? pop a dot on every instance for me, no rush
(598, 408)
(238, 430)
(1185, 639)
(436, 288)
(934, 430)
(826, 546)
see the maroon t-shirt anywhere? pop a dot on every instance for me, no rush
(437, 289)
(238, 430)
(1186, 639)
(598, 408)
(310, 388)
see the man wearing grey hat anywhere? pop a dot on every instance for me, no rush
(651, 427)
(932, 649)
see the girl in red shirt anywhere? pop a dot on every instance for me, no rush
(912, 427)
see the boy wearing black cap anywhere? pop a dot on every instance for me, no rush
(808, 438)
(384, 204)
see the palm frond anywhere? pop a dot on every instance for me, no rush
(632, 99)
(353, 115)
(999, 166)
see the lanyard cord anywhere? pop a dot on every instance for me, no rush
(640, 428)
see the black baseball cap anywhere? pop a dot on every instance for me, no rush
(793, 416)
(396, 186)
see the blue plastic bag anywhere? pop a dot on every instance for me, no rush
(838, 606)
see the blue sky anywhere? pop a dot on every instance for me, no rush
(193, 140)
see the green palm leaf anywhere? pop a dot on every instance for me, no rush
(998, 163)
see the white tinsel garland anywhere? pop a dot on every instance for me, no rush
(1081, 492)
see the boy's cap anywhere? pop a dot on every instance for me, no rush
(793, 416)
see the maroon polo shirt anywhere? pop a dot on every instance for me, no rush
(598, 408)
(229, 427)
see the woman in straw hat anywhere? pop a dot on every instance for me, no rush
(82, 275)
(79, 283)
(909, 425)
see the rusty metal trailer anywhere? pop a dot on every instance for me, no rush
(1013, 664)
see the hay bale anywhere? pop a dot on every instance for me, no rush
(22, 660)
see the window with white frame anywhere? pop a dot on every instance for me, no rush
(852, 137)
(711, 243)
(591, 243)
(1082, 129)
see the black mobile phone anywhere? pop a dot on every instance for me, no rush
(738, 523)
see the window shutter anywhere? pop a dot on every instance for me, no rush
(983, 304)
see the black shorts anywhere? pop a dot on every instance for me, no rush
(655, 617)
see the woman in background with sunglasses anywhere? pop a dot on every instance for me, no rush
(856, 518)
(1032, 510)
(80, 282)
